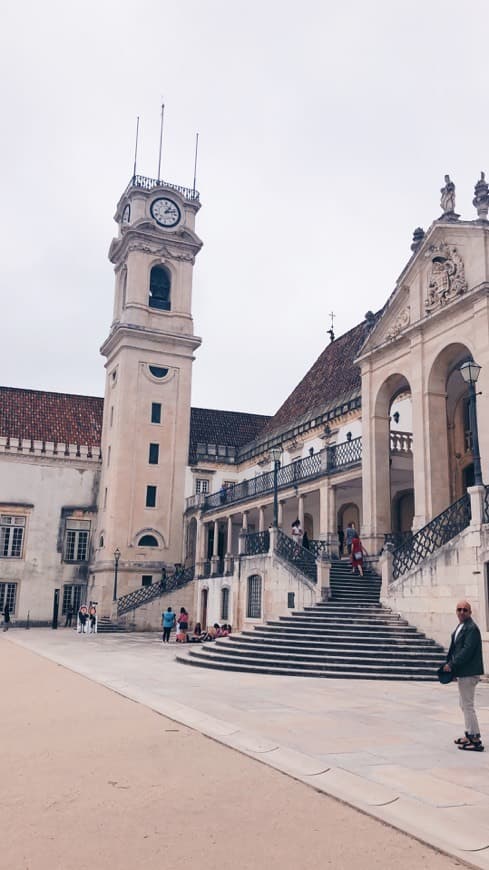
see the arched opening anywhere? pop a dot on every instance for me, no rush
(148, 541)
(160, 288)
(393, 454)
(447, 427)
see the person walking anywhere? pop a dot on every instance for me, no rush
(357, 552)
(464, 660)
(6, 618)
(167, 621)
(69, 616)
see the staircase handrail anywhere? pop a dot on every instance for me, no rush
(441, 529)
(300, 558)
(144, 594)
(257, 543)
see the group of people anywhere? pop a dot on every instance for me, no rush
(86, 621)
(170, 620)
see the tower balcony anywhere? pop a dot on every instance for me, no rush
(144, 183)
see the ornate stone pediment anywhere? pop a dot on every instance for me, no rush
(402, 320)
(446, 276)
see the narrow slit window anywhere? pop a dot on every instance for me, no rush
(156, 412)
(151, 496)
(154, 454)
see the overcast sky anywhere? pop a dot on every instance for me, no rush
(325, 131)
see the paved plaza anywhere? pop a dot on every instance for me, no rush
(383, 747)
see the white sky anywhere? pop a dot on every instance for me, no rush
(325, 131)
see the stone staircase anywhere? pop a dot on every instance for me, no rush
(106, 626)
(350, 636)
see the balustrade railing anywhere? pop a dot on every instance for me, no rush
(257, 543)
(401, 442)
(297, 556)
(394, 540)
(149, 183)
(343, 454)
(439, 531)
(145, 594)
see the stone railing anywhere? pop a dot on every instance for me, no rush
(54, 449)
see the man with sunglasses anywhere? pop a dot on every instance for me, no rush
(464, 660)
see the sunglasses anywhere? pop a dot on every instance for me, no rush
(462, 609)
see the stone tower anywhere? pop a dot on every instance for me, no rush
(149, 354)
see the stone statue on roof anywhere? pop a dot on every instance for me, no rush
(447, 201)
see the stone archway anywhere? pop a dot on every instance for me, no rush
(444, 427)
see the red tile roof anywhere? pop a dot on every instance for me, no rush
(331, 379)
(60, 417)
(232, 428)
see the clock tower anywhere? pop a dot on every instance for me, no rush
(149, 353)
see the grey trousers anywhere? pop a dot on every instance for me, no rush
(466, 691)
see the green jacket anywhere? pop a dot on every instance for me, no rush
(465, 653)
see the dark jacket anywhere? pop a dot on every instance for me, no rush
(465, 653)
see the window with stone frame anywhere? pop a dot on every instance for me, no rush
(12, 530)
(201, 485)
(77, 540)
(8, 596)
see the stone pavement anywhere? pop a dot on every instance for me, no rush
(383, 747)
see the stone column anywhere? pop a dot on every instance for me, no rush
(261, 518)
(300, 510)
(228, 561)
(199, 542)
(385, 565)
(376, 506)
(476, 504)
(215, 550)
(281, 514)
(245, 521)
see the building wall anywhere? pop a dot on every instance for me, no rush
(47, 487)
(427, 597)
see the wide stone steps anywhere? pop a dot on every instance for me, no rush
(349, 637)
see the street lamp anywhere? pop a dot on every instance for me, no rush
(275, 453)
(117, 556)
(470, 373)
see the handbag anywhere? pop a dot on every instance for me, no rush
(444, 677)
(357, 556)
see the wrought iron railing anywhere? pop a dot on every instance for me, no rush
(343, 454)
(486, 504)
(300, 558)
(319, 549)
(150, 183)
(301, 469)
(257, 543)
(394, 540)
(439, 531)
(145, 594)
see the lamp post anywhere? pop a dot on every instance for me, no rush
(117, 556)
(275, 453)
(470, 373)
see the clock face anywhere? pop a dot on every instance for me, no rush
(165, 212)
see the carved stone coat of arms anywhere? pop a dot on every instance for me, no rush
(446, 277)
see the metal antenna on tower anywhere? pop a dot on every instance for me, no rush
(136, 148)
(331, 330)
(195, 160)
(161, 141)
